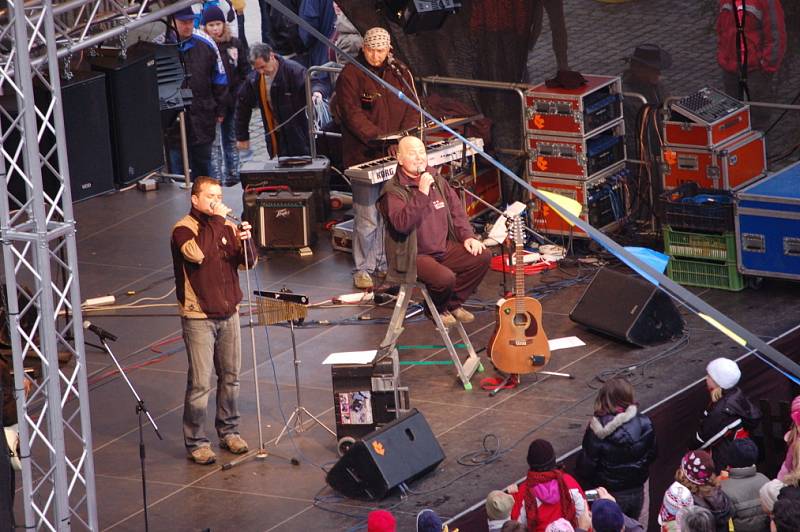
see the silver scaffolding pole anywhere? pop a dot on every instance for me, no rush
(39, 250)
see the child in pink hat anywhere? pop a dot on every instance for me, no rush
(792, 439)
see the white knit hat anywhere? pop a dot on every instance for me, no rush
(377, 38)
(724, 372)
(676, 498)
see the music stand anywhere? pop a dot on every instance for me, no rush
(285, 306)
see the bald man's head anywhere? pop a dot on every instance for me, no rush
(411, 155)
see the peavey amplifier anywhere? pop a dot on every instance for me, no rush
(285, 220)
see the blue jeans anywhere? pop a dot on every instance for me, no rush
(199, 160)
(368, 252)
(211, 344)
(224, 150)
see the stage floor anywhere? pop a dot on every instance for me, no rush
(123, 243)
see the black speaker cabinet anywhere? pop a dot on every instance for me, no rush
(86, 133)
(627, 308)
(91, 171)
(133, 107)
(402, 450)
(283, 220)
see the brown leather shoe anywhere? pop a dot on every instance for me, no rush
(362, 280)
(233, 443)
(448, 320)
(463, 315)
(203, 456)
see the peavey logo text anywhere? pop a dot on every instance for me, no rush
(282, 213)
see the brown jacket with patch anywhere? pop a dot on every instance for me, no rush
(206, 256)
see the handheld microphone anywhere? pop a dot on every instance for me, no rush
(99, 331)
(229, 216)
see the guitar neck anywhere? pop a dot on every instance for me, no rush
(519, 274)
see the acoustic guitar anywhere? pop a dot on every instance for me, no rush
(519, 344)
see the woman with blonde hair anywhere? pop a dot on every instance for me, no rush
(730, 415)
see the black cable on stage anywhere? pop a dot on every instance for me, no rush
(492, 455)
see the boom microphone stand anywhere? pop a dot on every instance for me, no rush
(104, 335)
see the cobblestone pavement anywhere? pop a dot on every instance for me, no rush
(602, 34)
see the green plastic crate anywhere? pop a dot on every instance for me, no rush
(721, 247)
(708, 274)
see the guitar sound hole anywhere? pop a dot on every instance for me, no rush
(524, 319)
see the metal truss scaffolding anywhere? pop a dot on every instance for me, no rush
(37, 232)
(39, 260)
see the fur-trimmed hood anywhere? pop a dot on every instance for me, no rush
(603, 431)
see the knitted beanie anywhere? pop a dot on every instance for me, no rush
(541, 456)
(381, 521)
(213, 14)
(725, 372)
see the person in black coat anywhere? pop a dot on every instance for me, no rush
(618, 447)
(277, 87)
(730, 416)
(209, 85)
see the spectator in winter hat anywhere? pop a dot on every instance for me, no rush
(697, 474)
(676, 498)
(792, 439)
(730, 415)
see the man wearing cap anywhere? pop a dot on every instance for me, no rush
(209, 84)
(366, 111)
(276, 85)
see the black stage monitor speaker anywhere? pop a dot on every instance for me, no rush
(627, 308)
(400, 451)
(133, 107)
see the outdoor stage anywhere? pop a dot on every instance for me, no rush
(123, 243)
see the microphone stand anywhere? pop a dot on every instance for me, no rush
(140, 409)
(261, 453)
(400, 69)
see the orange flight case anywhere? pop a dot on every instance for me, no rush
(730, 166)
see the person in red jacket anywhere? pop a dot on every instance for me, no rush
(751, 63)
(547, 494)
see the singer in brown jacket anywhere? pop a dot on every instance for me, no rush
(428, 235)
(207, 251)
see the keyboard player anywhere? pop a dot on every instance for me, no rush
(367, 111)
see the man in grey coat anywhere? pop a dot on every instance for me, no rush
(743, 484)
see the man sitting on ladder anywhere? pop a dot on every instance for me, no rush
(428, 235)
